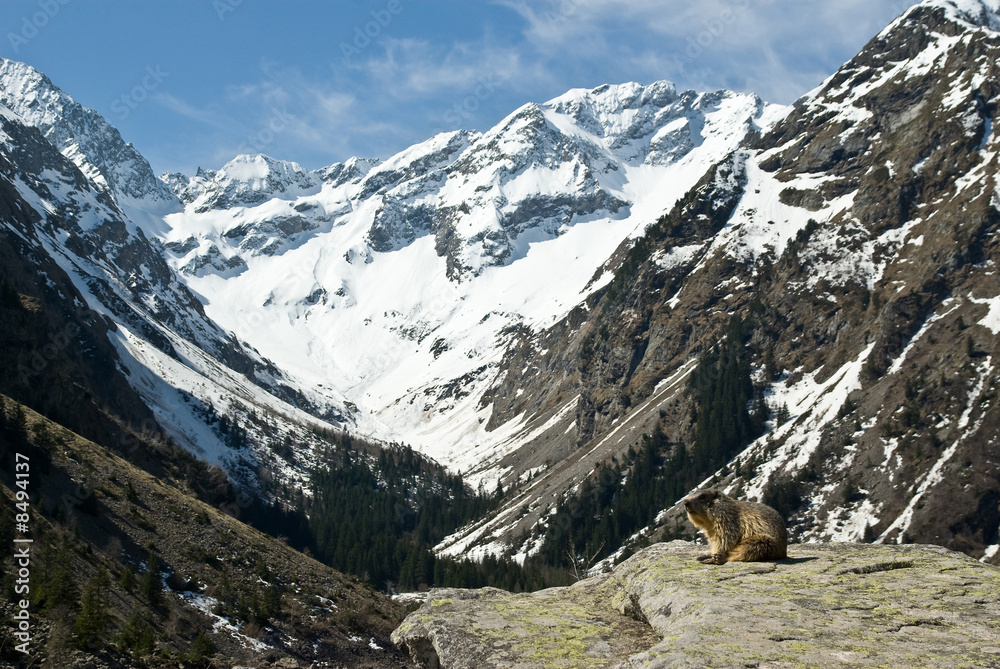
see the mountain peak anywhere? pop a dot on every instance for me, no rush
(257, 167)
(628, 95)
(31, 82)
(83, 136)
(245, 181)
(969, 14)
(982, 13)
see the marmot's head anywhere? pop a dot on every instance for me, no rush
(699, 506)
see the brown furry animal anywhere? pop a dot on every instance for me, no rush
(737, 531)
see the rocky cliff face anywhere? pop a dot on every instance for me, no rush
(246, 181)
(541, 169)
(827, 605)
(54, 346)
(83, 136)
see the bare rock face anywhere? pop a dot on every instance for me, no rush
(826, 605)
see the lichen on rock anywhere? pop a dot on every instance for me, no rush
(826, 605)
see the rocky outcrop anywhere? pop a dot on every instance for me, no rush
(83, 136)
(826, 605)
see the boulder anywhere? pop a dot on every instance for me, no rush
(853, 605)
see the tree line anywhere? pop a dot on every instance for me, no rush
(377, 513)
(621, 499)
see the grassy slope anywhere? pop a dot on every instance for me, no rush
(115, 515)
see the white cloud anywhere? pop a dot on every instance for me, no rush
(210, 116)
(776, 48)
(282, 114)
(416, 68)
(421, 88)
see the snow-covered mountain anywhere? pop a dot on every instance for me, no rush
(399, 284)
(523, 304)
(65, 221)
(84, 137)
(242, 182)
(345, 273)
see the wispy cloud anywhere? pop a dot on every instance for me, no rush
(777, 48)
(442, 86)
(281, 113)
(210, 116)
(416, 68)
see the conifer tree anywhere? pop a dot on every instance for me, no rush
(17, 427)
(137, 639)
(202, 649)
(6, 526)
(92, 621)
(57, 588)
(127, 580)
(151, 585)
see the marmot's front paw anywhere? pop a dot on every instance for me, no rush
(713, 558)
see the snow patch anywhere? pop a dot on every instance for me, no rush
(677, 256)
(987, 133)
(898, 362)
(852, 528)
(812, 406)
(992, 318)
(222, 624)
(936, 473)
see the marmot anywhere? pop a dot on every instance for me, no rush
(737, 531)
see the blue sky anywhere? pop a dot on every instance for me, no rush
(194, 82)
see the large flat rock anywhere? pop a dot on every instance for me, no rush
(850, 605)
